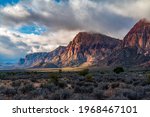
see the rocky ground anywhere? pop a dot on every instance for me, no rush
(82, 85)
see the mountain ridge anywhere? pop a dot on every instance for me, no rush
(91, 48)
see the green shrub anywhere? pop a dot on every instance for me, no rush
(84, 72)
(118, 70)
(27, 88)
(16, 83)
(89, 77)
(62, 84)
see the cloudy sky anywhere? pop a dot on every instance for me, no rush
(28, 26)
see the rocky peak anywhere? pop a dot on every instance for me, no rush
(88, 46)
(90, 38)
(139, 36)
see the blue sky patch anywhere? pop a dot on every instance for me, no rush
(58, 1)
(32, 29)
(10, 2)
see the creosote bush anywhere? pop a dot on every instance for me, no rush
(89, 77)
(54, 78)
(118, 70)
(26, 88)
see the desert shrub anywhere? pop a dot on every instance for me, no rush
(50, 86)
(102, 72)
(103, 86)
(131, 94)
(2, 89)
(33, 80)
(80, 79)
(16, 83)
(89, 77)
(84, 72)
(26, 88)
(118, 70)
(54, 78)
(115, 85)
(62, 84)
(67, 80)
(40, 92)
(147, 88)
(140, 92)
(137, 82)
(35, 92)
(62, 94)
(87, 84)
(80, 83)
(83, 89)
(98, 94)
(9, 91)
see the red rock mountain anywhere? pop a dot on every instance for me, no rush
(85, 49)
(98, 49)
(135, 47)
(139, 37)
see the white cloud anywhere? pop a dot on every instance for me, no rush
(17, 11)
(27, 43)
(135, 9)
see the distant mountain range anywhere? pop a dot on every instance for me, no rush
(89, 49)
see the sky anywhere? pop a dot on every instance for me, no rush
(28, 26)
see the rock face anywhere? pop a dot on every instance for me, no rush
(86, 48)
(42, 59)
(139, 37)
(33, 59)
(98, 49)
(135, 48)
